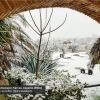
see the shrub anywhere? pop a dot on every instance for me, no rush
(58, 86)
(45, 66)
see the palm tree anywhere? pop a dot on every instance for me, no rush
(8, 27)
(95, 52)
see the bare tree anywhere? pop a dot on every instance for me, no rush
(41, 32)
(73, 45)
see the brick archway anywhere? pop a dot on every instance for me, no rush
(88, 7)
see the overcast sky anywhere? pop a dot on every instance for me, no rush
(77, 24)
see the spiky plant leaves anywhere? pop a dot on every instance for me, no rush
(29, 63)
(45, 66)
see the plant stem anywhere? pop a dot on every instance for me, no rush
(38, 56)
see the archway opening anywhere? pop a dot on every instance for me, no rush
(77, 25)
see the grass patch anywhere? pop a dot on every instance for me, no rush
(96, 97)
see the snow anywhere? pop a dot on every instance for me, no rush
(72, 62)
(56, 81)
(73, 65)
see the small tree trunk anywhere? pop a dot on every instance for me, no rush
(38, 54)
(73, 50)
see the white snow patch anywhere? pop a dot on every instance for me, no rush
(81, 61)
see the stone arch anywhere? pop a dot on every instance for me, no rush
(90, 8)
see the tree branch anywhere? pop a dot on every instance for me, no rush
(33, 21)
(32, 28)
(48, 21)
(45, 18)
(47, 41)
(40, 20)
(57, 27)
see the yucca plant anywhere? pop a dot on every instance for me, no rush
(29, 63)
(45, 66)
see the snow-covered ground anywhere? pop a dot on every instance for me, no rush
(73, 62)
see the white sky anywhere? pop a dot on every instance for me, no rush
(77, 24)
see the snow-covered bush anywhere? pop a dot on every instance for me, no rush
(73, 47)
(58, 86)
